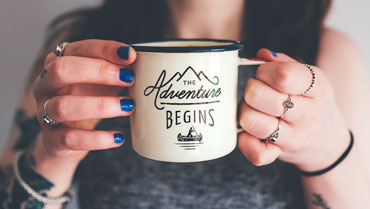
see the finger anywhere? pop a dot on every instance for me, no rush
(49, 58)
(112, 51)
(267, 100)
(87, 90)
(65, 71)
(257, 152)
(75, 108)
(271, 56)
(95, 90)
(256, 123)
(261, 126)
(291, 78)
(65, 138)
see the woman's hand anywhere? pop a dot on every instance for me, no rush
(82, 85)
(313, 133)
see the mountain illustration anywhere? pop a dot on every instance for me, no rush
(199, 75)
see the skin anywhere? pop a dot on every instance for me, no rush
(313, 135)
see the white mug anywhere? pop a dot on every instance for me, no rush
(185, 95)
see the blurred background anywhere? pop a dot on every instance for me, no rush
(23, 25)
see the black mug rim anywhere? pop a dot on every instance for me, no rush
(234, 45)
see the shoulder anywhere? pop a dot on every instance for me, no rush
(339, 46)
(330, 35)
(341, 59)
(338, 49)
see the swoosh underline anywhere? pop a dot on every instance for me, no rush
(190, 103)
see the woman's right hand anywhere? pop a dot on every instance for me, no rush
(82, 87)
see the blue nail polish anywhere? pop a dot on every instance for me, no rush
(118, 138)
(126, 75)
(123, 52)
(127, 104)
(273, 53)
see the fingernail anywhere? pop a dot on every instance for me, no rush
(118, 138)
(127, 104)
(123, 52)
(126, 75)
(273, 53)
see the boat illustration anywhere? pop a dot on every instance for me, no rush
(192, 136)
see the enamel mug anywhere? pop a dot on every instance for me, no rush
(185, 94)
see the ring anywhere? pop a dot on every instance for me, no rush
(275, 135)
(313, 78)
(288, 104)
(59, 49)
(46, 118)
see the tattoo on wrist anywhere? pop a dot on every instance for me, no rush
(43, 73)
(319, 201)
(14, 196)
(29, 129)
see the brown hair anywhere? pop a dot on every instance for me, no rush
(288, 26)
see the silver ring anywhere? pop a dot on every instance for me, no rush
(288, 104)
(313, 78)
(275, 135)
(59, 49)
(46, 118)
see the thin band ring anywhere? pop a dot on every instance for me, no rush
(47, 120)
(288, 104)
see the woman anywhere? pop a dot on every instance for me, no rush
(314, 135)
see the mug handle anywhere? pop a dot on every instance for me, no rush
(249, 61)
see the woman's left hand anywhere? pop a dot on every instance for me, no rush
(313, 133)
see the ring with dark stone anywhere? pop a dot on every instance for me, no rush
(275, 135)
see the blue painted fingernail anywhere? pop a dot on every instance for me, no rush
(127, 104)
(118, 138)
(126, 75)
(123, 52)
(273, 53)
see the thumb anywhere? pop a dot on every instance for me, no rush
(270, 56)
